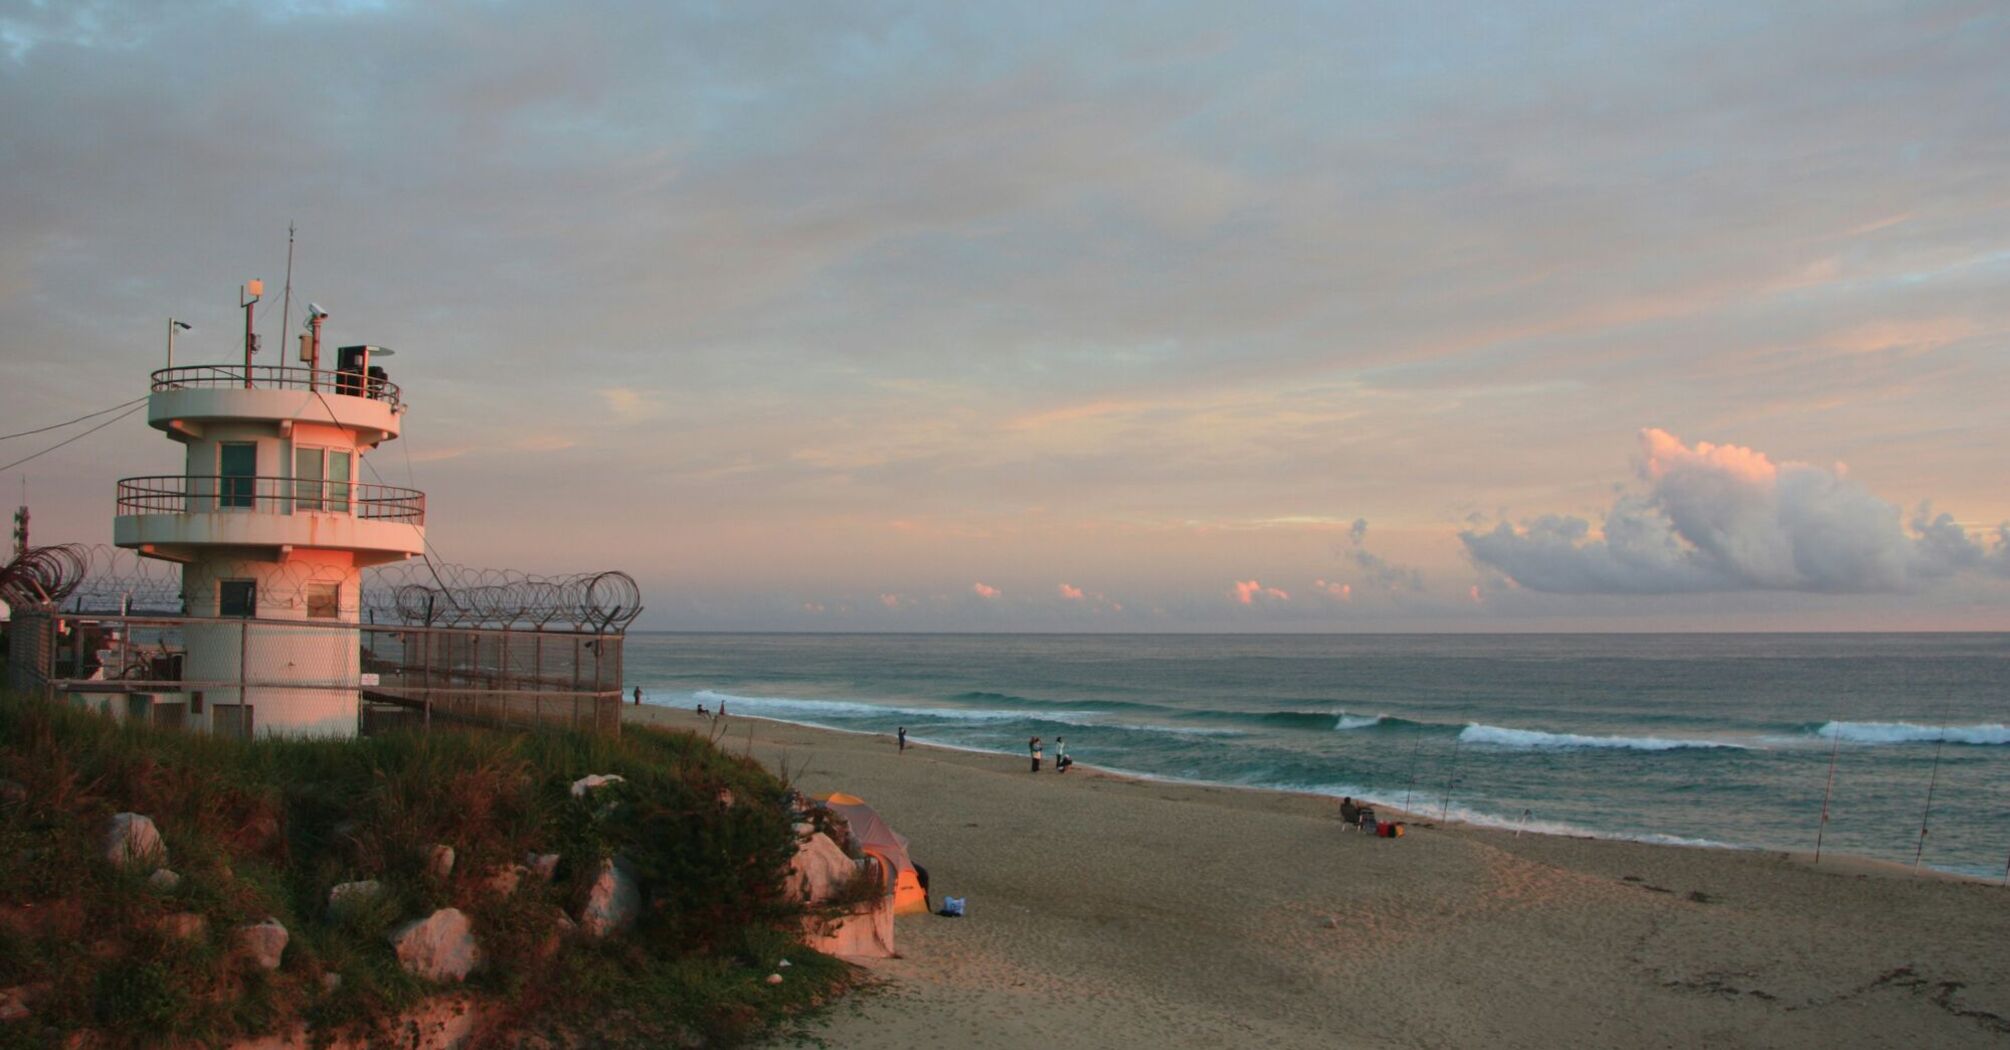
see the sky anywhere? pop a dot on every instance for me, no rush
(1341, 316)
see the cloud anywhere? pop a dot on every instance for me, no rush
(891, 601)
(1097, 599)
(983, 590)
(1727, 518)
(1376, 571)
(1339, 591)
(1248, 591)
(629, 405)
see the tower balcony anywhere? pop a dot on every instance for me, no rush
(175, 516)
(187, 397)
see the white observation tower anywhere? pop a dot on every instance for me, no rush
(272, 530)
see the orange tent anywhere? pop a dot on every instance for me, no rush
(877, 839)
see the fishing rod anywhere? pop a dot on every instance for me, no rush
(1414, 750)
(1835, 747)
(1449, 778)
(1932, 782)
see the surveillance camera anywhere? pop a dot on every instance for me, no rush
(315, 310)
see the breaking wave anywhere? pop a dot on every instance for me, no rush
(1536, 740)
(1913, 733)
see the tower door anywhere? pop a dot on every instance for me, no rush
(237, 469)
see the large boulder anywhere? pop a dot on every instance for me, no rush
(819, 869)
(264, 942)
(439, 947)
(612, 902)
(132, 840)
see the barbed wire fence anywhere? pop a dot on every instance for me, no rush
(98, 578)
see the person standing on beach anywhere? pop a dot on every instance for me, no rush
(638, 696)
(1033, 746)
(903, 738)
(1060, 754)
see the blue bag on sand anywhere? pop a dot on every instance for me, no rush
(952, 907)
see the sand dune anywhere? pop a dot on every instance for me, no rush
(1106, 911)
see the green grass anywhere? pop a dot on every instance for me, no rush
(265, 828)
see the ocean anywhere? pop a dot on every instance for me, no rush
(1716, 740)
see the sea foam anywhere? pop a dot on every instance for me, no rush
(1913, 733)
(1533, 740)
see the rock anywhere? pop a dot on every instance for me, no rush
(543, 865)
(613, 902)
(784, 963)
(585, 784)
(439, 947)
(774, 978)
(132, 839)
(331, 983)
(1330, 923)
(725, 798)
(264, 942)
(19, 1001)
(182, 926)
(13, 791)
(564, 925)
(440, 862)
(164, 880)
(504, 881)
(349, 894)
(803, 829)
(819, 869)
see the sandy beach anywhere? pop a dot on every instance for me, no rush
(1108, 911)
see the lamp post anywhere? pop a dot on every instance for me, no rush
(172, 326)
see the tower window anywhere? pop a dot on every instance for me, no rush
(321, 479)
(324, 601)
(237, 598)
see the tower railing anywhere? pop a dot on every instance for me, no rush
(282, 377)
(208, 494)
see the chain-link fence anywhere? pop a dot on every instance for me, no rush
(241, 676)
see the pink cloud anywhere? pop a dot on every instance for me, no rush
(1071, 592)
(983, 590)
(813, 607)
(1338, 591)
(1475, 593)
(1247, 591)
(891, 601)
(1666, 453)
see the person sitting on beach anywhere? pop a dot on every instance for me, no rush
(1350, 814)
(701, 709)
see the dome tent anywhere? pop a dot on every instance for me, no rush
(876, 838)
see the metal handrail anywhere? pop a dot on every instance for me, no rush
(213, 493)
(283, 377)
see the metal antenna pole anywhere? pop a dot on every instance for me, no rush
(1834, 747)
(286, 300)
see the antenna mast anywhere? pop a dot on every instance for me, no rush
(286, 302)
